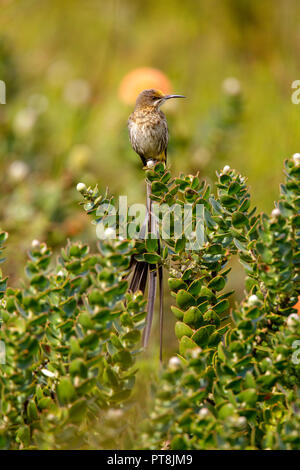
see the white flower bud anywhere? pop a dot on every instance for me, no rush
(195, 352)
(226, 169)
(150, 163)
(253, 300)
(81, 187)
(109, 233)
(35, 244)
(276, 212)
(292, 320)
(203, 413)
(241, 421)
(44, 248)
(114, 415)
(296, 158)
(48, 373)
(174, 362)
(18, 170)
(231, 86)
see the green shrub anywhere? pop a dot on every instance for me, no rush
(71, 336)
(72, 331)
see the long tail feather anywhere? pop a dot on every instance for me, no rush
(161, 310)
(144, 277)
(153, 273)
(150, 304)
(139, 278)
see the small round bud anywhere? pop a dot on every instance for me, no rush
(296, 158)
(231, 86)
(60, 273)
(203, 413)
(226, 169)
(150, 163)
(276, 212)
(81, 187)
(18, 170)
(196, 352)
(44, 248)
(174, 362)
(35, 244)
(241, 421)
(114, 414)
(253, 300)
(292, 320)
(109, 232)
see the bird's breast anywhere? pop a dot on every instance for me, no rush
(148, 134)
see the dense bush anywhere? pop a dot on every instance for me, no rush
(72, 331)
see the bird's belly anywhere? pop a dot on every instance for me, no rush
(148, 141)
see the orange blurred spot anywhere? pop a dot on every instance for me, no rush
(297, 306)
(142, 79)
(74, 225)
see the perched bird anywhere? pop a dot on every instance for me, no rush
(148, 133)
(148, 128)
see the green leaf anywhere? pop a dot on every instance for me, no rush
(3, 284)
(65, 391)
(32, 411)
(123, 358)
(152, 245)
(206, 293)
(45, 403)
(248, 396)
(176, 284)
(184, 299)
(180, 245)
(158, 188)
(186, 344)
(228, 201)
(195, 287)
(91, 340)
(177, 312)
(40, 282)
(96, 298)
(152, 258)
(234, 188)
(69, 306)
(79, 368)
(217, 283)
(202, 335)
(245, 205)
(85, 320)
(221, 306)
(193, 316)
(39, 320)
(226, 411)
(78, 410)
(239, 220)
(181, 329)
(23, 435)
(132, 337)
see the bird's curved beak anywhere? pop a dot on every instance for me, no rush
(168, 97)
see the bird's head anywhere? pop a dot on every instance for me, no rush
(153, 98)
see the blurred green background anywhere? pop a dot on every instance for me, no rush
(64, 62)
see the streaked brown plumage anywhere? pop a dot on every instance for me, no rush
(148, 128)
(148, 133)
